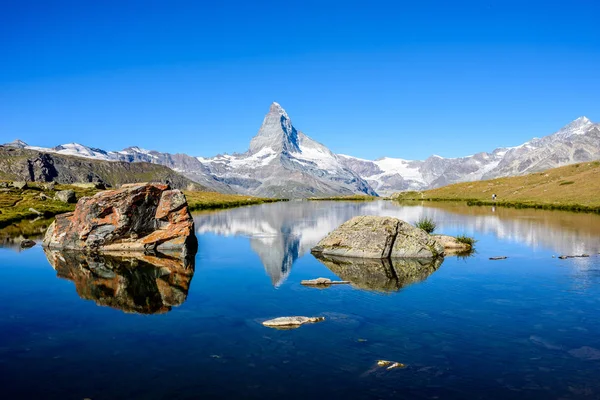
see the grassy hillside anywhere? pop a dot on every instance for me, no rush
(573, 187)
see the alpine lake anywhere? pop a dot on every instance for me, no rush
(525, 327)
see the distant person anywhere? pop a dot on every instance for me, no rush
(494, 197)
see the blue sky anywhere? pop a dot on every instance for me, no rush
(366, 78)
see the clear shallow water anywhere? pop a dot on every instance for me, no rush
(526, 327)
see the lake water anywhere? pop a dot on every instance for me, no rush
(527, 327)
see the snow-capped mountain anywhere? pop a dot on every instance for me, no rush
(283, 162)
(578, 141)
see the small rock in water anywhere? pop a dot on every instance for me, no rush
(291, 322)
(499, 258)
(396, 365)
(575, 256)
(322, 281)
(390, 364)
(25, 244)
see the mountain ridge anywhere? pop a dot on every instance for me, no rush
(282, 161)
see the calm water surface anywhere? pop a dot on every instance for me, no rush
(527, 327)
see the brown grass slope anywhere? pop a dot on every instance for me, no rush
(573, 187)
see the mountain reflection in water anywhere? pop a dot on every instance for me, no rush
(131, 282)
(386, 275)
(281, 233)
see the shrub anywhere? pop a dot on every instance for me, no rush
(427, 224)
(466, 240)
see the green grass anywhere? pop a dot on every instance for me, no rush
(466, 240)
(212, 200)
(427, 224)
(15, 204)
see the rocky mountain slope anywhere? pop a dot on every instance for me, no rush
(578, 141)
(283, 162)
(25, 164)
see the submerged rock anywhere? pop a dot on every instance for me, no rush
(131, 282)
(137, 217)
(322, 282)
(385, 275)
(291, 322)
(378, 238)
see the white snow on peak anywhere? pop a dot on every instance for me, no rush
(314, 152)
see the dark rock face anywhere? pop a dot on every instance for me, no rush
(131, 282)
(385, 275)
(137, 217)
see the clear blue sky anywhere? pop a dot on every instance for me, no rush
(367, 78)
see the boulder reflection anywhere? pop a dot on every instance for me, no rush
(387, 275)
(131, 282)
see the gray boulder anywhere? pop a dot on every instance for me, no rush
(19, 185)
(412, 242)
(362, 236)
(378, 238)
(66, 196)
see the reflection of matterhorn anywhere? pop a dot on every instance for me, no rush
(281, 233)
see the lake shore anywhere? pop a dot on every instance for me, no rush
(17, 205)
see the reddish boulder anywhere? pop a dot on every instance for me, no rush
(136, 217)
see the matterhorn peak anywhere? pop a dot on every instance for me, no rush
(277, 109)
(276, 132)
